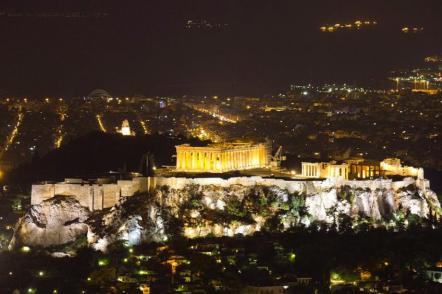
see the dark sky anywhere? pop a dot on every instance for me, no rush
(142, 47)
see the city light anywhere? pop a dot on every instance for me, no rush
(25, 249)
(59, 131)
(103, 262)
(100, 123)
(215, 114)
(143, 126)
(292, 257)
(335, 278)
(356, 25)
(11, 138)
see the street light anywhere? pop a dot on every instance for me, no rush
(25, 249)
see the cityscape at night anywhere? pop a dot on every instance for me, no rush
(189, 146)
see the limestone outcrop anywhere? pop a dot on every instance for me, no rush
(199, 209)
(55, 221)
(62, 220)
(225, 210)
(135, 220)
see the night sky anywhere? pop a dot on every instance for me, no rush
(143, 47)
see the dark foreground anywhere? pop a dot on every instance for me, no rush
(299, 262)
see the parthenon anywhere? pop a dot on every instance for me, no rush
(222, 157)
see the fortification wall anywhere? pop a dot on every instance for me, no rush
(111, 195)
(130, 187)
(40, 193)
(93, 196)
(308, 187)
(180, 183)
(81, 192)
(99, 196)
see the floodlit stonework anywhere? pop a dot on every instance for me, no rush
(393, 166)
(63, 219)
(96, 195)
(217, 158)
(325, 170)
(359, 169)
(222, 157)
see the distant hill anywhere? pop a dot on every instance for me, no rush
(97, 153)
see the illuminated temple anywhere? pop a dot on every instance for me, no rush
(222, 157)
(359, 169)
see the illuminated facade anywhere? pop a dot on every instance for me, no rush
(359, 169)
(325, 170)
(351, 169)
(125, 129)
(348, 170)
(222, 157)
(393, 166)
(96, 195)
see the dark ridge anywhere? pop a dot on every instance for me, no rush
(97, 154)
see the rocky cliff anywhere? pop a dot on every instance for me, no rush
(56, 221)
(198, 210)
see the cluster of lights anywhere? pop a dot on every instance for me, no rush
(217, 115)
(419, 82)
(433, 59)
(204, 134)
(347, 26)
(14, 133)
(327, 88)
(203, 24)
(143, 126)
(119, 100)
(33, 290)
(59, 132)
(413, 30)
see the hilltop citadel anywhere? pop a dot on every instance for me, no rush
(211, 165)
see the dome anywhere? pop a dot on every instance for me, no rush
(99, 93)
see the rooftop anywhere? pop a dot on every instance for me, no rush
(225, 145)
